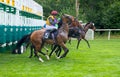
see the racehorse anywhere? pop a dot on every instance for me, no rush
(74, 30)
(82, 32)
(62, 37)
(36, 37)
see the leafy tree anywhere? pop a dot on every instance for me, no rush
(62, 6)
(104, 13)
(111, 17)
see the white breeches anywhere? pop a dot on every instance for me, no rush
(50, 27)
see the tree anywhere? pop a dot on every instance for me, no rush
(111, 17)
(104, 13)
(62, 6)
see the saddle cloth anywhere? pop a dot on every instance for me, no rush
(48, 34)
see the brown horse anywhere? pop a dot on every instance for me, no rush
(62, 37)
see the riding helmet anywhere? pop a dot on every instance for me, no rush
(54, 12)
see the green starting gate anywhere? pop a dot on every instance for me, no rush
(16, 22)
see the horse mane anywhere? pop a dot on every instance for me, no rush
(86, 24)
(61, 21)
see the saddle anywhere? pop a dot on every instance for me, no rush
(50, 34)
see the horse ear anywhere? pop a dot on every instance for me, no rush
(92, 22)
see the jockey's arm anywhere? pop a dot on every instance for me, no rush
(51, 21)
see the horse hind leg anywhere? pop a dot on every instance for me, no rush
(31, 51)
(87, 43)
(36, 49)
(42, 45)
(40, 59)
(45, 55)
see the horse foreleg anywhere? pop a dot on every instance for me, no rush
(69, 41)
(58, 51)
(78, 43)
(53, 49)
(87, 43)
(65, 51)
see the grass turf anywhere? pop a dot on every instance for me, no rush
(101, 60)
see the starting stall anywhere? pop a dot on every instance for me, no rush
(18, 18)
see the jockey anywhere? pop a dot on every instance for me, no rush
(52, 24)
(52, 21)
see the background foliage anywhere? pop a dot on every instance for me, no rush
(104, 13)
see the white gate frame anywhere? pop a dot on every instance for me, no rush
(109, 30)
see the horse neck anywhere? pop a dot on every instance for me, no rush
(86, 28)
(77, 24)
(64, 27)
(81, 27)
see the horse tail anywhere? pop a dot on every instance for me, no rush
(25, 39)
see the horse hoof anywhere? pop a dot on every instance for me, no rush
(47, 57)
(58, 57)
(40, 59)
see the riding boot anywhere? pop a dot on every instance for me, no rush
(54, 38)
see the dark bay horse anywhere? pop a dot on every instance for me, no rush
(82, 32)
(75, 29)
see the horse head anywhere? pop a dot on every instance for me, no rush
(90, 25)
(67, 19)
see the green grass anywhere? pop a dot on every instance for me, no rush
(101, 60)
